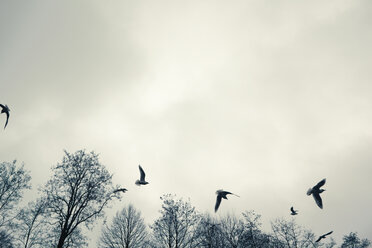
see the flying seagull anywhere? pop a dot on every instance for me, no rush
(120, 190)
(293, 212)
(221, 194)
(5, 109)
(316, 191)
(323, 236)
(142, 177)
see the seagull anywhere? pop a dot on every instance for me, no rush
(323, 236)
(221, 194)
(120, 190)
(315, 191)
(142, 177)
(5, 109)
(294, 212)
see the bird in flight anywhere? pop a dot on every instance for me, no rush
(120, 190)
(323, 236)
(221, 194)
(293, 212)
(141, 181)
(5, 109)
(316, 191)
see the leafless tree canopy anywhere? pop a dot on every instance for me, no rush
(81, 188)
(78, 192)
(128, 230)
(353, 241)
(13, 181)
(32, 225)
(177, 224)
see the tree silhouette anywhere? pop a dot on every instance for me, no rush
(288, 234)
(209, 233)
(177, 224)
(13, 181)
(77, 194)
(128, 230)
(353, 241)
(31, 225)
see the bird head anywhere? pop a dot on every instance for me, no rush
(321, 190)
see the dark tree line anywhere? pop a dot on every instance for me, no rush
(81, 189)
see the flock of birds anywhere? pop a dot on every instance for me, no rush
(221, 194)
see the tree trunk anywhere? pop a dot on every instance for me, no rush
(61, 240)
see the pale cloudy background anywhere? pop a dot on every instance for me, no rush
(261, 98)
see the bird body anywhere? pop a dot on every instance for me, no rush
(221, 194)
(5, 109)
(293, 212)
(323, 236)
(316, 191)
(142, 180)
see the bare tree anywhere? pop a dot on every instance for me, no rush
(77, 194)
(13, 181)
(233, 231)
(353, 241)
(128, 230)
(209, 233)
(31, 225)
(288, 234)
(253, 236)
(176, 226)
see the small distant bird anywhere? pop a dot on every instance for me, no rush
(121, 190)
(323, 236)
(142, 177)
(221, 194)
(293, 212)
(5, 109)
(316, 191)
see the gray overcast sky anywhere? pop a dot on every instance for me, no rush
(261, 98)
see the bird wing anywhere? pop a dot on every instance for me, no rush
(292, 210)
(318, 200)
(2, 106)
(142, 177)
(7, 118)
(319, 239)
(320, 184)
(328, 233)
(225, 193)
(218, 202)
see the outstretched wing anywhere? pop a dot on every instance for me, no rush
(142, 177)
(328, 233)
(320, 238)
(7, 118)
(292, 210)
(120, 190)
(318, 200)
(2, 106)
(320, 184)
(218, 202)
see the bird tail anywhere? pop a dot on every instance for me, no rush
(309, 191)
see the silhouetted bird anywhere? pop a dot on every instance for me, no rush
(121, 190)
(323, 236)
(221, 194)
(5, 109)
(293, 212)
(142, 177)
(316, 191)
